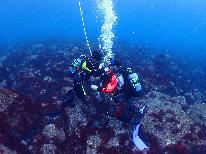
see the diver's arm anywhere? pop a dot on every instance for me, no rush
(97, 73)
(96, 88)
(99, 89)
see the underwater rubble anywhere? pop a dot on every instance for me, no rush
(172, 127)
(33, 83)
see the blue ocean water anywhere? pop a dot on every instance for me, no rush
(173, 24)
(163, 24)
(162, 40)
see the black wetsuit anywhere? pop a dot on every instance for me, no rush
(125, 111)
(87, 69)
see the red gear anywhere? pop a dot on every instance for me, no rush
(111, 86)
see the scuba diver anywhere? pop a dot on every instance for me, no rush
(128, 87)
(123, 84)
(89, 66)
(81, 71)
(121, 80)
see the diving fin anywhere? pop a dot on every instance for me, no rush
(137, 140)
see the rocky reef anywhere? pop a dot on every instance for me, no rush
(34, 80)
(170, 124)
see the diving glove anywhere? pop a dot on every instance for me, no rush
(94, 87)
(142, 110)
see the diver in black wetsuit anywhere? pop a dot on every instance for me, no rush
(81, 70)
(128, 87)
(123, 84)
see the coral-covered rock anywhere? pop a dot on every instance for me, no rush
(51, 132)
(17, 119)
(198, 113)
(48, 149)
(34, 121)
(168, 124)
(6, 150)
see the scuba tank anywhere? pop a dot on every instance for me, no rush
(133, 81)
(75, 67)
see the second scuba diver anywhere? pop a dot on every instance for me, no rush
(123, 84)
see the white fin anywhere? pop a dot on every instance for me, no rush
(137, 140)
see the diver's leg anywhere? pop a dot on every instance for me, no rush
(138, 115)
(80, 92)
(122, 113)
(70, 95)
(127, 113)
